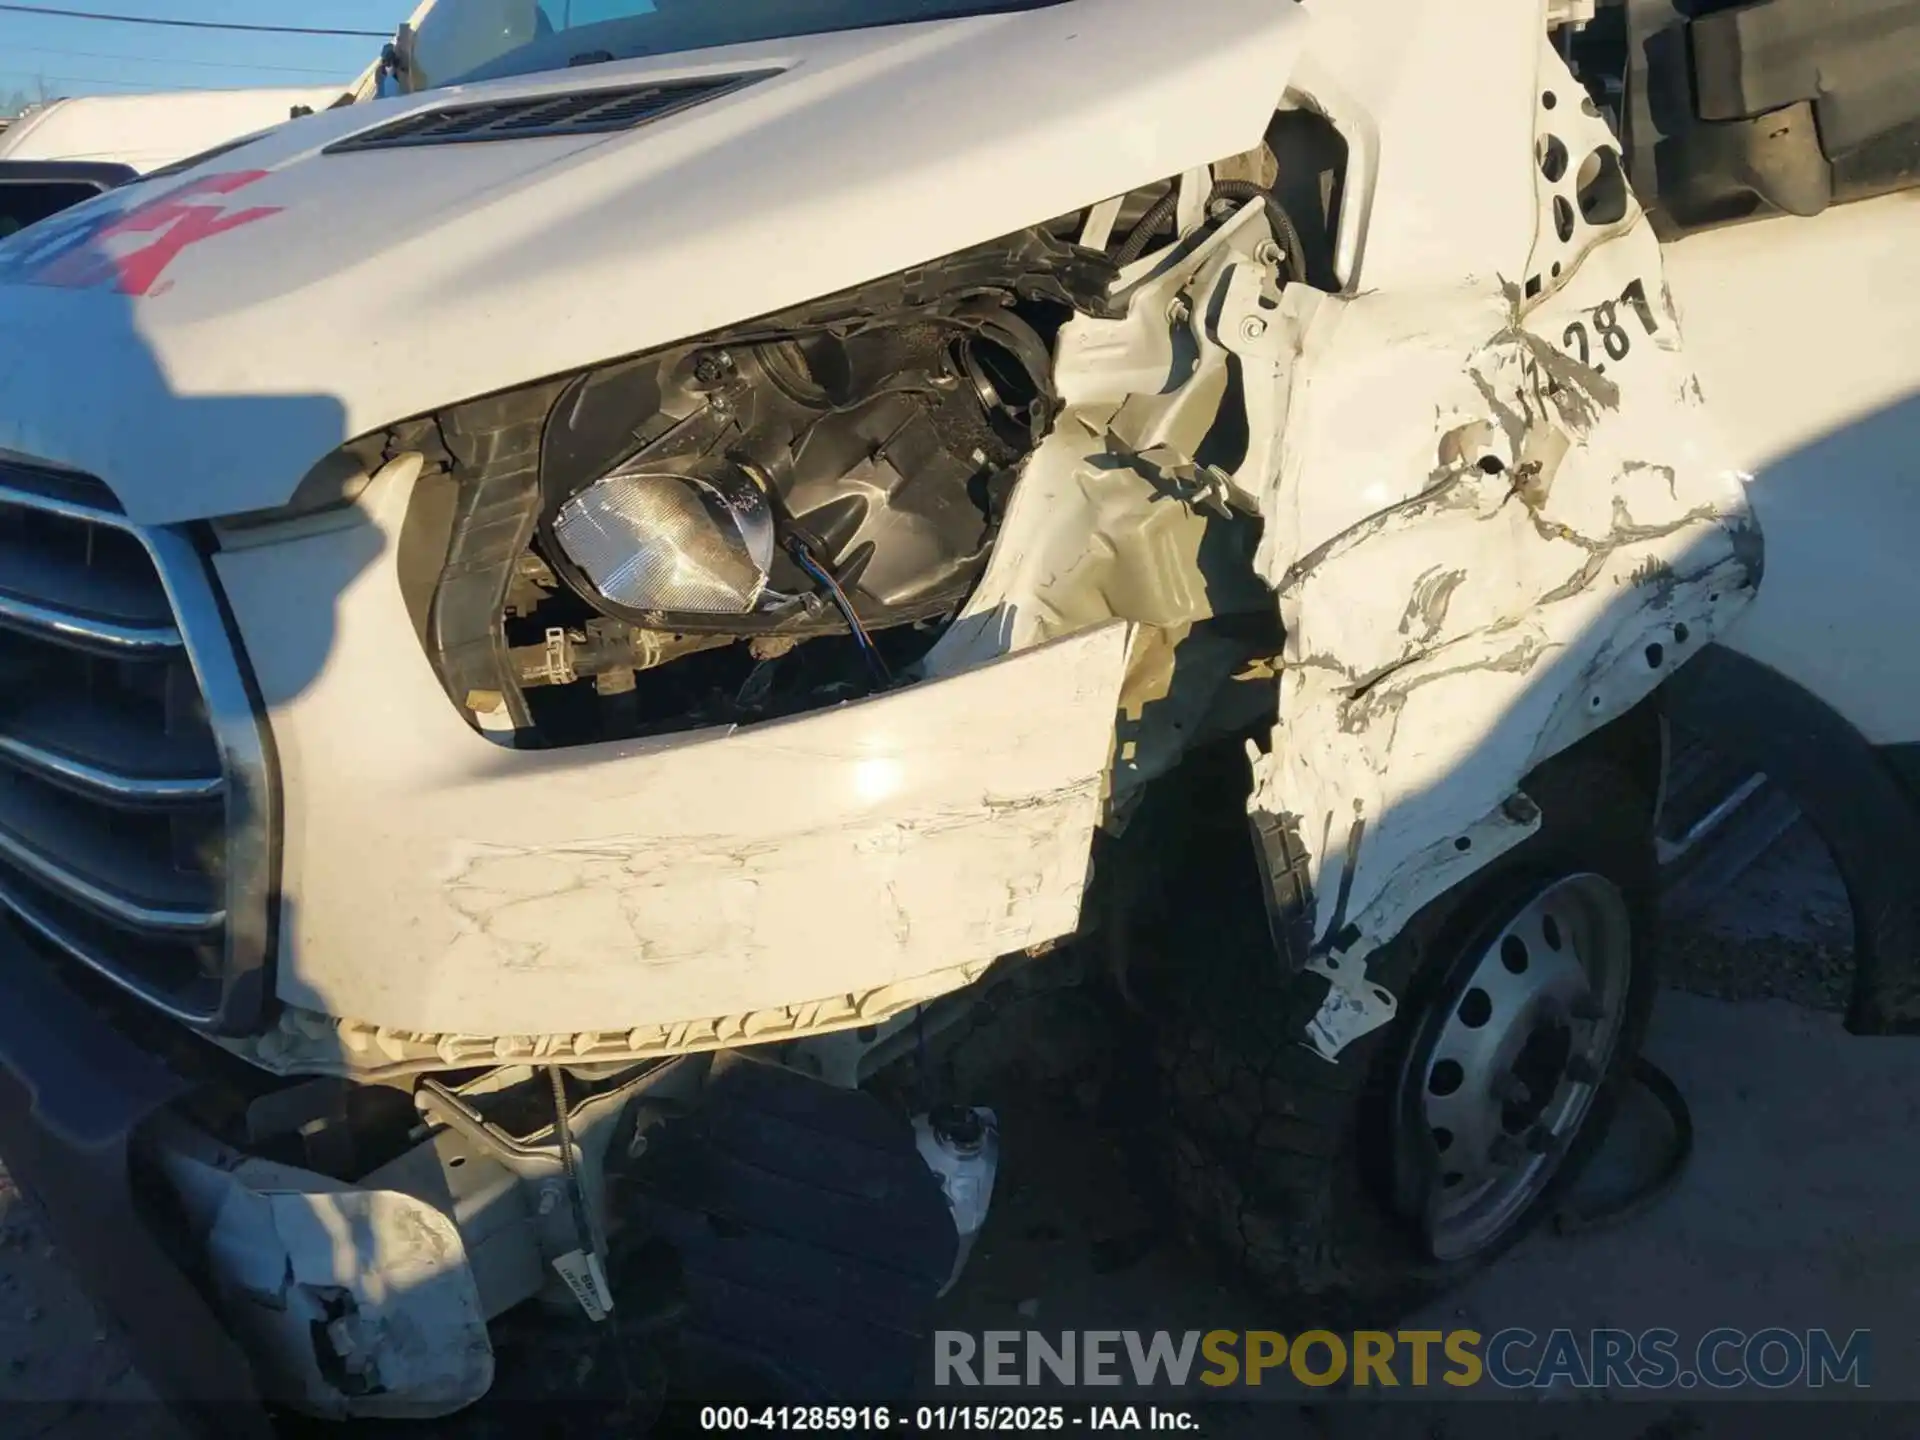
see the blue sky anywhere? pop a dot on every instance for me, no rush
(87, 57)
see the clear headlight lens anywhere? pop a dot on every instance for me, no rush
(696, 542)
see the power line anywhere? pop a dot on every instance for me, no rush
(160, 60)
(190, 24)
(145, 86)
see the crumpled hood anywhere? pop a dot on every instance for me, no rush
(200, 342)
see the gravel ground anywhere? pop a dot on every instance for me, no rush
(1068, 1244)
(1781, 932)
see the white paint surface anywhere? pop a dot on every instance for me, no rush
(1484, 548)
(1806, 333)
(395, 282)
(414, 1331)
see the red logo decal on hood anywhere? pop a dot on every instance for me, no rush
(99, 248)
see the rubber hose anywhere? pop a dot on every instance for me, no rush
(1285, 231)
(1135, 245)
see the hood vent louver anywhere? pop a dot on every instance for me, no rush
(527, 117)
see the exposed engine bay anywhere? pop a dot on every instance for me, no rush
(792, 513)
(784, 516)
(800, 514)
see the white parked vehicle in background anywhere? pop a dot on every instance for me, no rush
(559, 621)
(66, 151)
(150, 132)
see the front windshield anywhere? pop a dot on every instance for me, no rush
(462, 40)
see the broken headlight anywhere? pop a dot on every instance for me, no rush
(698, 539)
(752, 523)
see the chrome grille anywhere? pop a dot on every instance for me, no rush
(136, 819)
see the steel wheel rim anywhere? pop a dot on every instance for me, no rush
(1500, 1086)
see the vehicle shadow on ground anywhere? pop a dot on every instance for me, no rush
(63, 1374)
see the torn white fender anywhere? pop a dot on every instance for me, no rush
(1496, 511)
(1501, 517)
(1115, 518)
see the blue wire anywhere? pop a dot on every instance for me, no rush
(804, 558)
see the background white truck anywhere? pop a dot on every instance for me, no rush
(149, 132)
(58, 154)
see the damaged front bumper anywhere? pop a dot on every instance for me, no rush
(757, 1221)
(352, 1302)
(237, 1277)
(231, 1277)
(450, 902)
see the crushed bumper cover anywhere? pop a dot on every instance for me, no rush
(337, 1300)
(811, 1239)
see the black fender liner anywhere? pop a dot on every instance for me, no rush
(1849, 793)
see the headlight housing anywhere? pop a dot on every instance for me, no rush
(698, 540)
(741, 525)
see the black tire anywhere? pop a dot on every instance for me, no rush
(1279, 1160)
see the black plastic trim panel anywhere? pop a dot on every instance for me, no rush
(1774, 106)
(603, 111)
